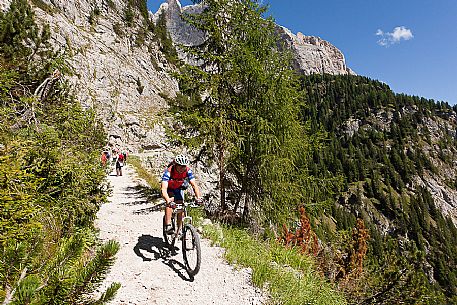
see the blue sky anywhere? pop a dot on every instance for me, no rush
(409, 44)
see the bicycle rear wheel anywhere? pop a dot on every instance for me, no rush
(169, 238)
(191, 249)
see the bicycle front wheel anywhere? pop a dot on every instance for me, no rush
(191, 249)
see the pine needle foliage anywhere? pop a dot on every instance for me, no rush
(51, 183)
(242, 103)
(382, 156)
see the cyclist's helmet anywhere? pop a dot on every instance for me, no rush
(181, 160)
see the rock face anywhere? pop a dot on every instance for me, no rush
(124, 78)
(4, 4)
(117, 74)
(179, 30)
(311, 54)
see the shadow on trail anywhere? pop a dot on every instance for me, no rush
(144, 194)
(180, 269)
(151, 244)
(149, 210)
(160, 250)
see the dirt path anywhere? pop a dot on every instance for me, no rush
(150, 277)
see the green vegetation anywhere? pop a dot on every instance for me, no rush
(379, 161)
(117, 28)
(129, 16)
(51, 181)
(143, 173)
(291, 278)
(93, 16)
(43, 6)
(142, 8)
(265, 128)
(241, 107)
(111, 4)
(165, 43)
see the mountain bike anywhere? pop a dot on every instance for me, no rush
(189, 236)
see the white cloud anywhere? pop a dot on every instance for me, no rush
(389, 38)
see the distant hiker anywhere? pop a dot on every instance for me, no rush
(176, 178)
(119, 164)
(115, 154)
(104, 158)
(125, 154)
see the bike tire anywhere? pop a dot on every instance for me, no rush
(191, 249)
(169, 238)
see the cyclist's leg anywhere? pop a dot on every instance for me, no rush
(168, 210)
(175, 193)
(179, 198)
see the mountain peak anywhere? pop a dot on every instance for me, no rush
(312, 55)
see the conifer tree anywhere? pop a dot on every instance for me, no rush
(242, 103)
(51, 184)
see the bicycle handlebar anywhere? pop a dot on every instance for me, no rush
(192, 204)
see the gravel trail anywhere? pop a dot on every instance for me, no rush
(147, 274)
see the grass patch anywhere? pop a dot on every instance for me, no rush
(290, 277)
(143, 173)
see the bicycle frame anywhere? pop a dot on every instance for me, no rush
(186, 219)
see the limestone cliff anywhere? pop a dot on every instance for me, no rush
(311, 54)
(118, 69)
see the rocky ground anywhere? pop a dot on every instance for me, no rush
(147, 272)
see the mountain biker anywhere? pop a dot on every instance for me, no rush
(175, 179)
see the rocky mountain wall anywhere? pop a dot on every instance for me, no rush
(311, 54)
(125, 79)
(122, 78)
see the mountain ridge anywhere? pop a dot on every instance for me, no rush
(311, 54)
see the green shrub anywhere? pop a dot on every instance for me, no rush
(51, 182)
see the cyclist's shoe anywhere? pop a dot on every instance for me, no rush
(179, 236)
(199, 202)
(169, 230)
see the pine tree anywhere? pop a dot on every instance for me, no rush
(51, 184)
(20, 37)
(243, 103)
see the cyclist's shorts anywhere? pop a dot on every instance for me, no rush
(177, 193)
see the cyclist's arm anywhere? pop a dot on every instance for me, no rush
(196, 188)
(164, 186)
(164, 191)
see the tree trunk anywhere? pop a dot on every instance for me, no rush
(243, 190)
(222, 177)
(246, 209)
